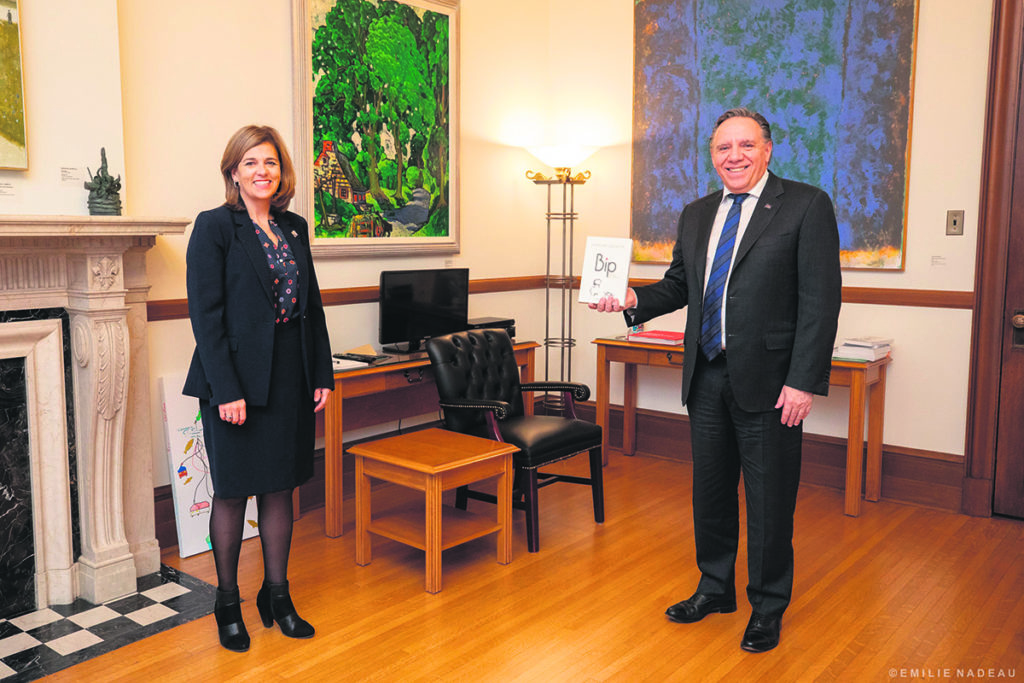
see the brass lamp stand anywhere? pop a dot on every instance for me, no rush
(559, 284)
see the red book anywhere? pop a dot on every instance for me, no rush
(658, 337)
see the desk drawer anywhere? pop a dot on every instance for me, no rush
(669, 358)
(621, 354)
(403, 378)
(359, 385)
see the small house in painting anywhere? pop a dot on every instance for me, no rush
(332, 173)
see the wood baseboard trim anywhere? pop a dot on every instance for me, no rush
(977, 500)
(913, 476)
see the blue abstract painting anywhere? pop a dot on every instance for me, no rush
(833, 77)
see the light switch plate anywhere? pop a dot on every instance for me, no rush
(955, 222)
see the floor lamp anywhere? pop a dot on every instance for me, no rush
(559, 280)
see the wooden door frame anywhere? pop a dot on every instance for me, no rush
(988, 327)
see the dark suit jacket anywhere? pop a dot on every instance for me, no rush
(783, 298)
(232, 310)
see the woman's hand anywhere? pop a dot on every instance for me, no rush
(320, 396)
(233, 412)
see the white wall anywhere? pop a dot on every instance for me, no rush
(193, 72)
(72, 80)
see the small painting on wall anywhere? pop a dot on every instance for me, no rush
(13, 144)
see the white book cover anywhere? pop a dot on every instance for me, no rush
(605, 269)
(191, 485)
(868, 353)
(869, 341)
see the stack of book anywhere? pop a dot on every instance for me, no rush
(667, 337)
(863, 349)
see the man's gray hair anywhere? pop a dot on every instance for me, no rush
(766, 129)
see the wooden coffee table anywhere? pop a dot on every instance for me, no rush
(433, 461)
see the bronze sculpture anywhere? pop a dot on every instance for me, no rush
(104, 190)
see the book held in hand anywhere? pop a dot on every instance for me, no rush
(605, 269)
(668, 337)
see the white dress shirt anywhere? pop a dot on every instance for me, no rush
(746, 211)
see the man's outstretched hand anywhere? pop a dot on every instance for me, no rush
(609, 304)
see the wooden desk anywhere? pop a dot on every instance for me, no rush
(867, 396)
(433, 461)
(377, 394)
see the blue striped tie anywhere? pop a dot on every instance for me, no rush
(711, 317)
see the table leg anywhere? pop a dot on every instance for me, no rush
(603, 401)
(363, 514)
(333, 452)
(855, 446)
(505, 510)
(433, 535)
(876, 420)
(629, 398)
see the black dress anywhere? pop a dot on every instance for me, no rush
(273, 449)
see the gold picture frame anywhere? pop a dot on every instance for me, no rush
(350, 209)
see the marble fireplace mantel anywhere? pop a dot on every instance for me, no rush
(95, 268)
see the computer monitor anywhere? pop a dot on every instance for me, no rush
(418, 304)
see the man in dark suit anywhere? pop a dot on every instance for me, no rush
(757, 267)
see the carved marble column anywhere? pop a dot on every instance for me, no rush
(140, 524)
(101, 356)
(94, 267)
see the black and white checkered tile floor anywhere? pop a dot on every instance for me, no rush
(39, 643)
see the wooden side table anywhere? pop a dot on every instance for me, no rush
(867, 395)
(433, 461)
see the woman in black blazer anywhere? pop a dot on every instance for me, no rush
(261, 368)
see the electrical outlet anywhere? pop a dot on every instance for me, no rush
(955, 222)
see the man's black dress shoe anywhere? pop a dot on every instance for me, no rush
(762, 633)
(699, 606)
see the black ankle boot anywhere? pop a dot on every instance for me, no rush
(275, 604)
(230, 626)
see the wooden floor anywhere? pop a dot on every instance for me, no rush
(900, 593)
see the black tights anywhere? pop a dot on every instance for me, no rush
(227, 519)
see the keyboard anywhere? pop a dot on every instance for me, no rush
(361, 357)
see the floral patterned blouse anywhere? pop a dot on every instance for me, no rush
(286, 274)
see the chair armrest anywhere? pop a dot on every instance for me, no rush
(500, 409)
(579, 391)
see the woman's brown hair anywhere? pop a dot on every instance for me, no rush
(242, 141)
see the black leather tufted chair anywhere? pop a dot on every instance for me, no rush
(478, 383)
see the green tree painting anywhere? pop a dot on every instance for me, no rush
(380, 120)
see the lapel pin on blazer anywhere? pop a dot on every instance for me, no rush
(294, 234)
(767, 206)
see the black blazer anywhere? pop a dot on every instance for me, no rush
(232, 310)
(783, 299)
